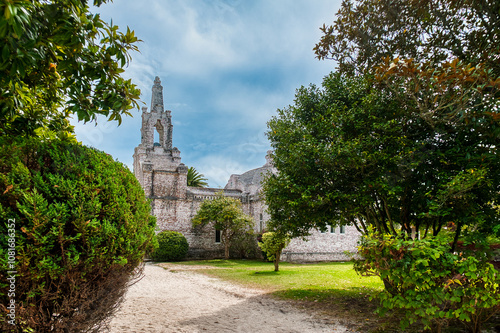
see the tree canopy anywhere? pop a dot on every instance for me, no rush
(273, 244)
(405, 135)
(428, 31)
(349, 154)
(443, 54)
(56, 60)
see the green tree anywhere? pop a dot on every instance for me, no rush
(227, 216)
(349, 154)
(442, 54)
(436, 63)
(273, 244)
(196, 179)
(430, 31)
(56, 60)
(437, 60)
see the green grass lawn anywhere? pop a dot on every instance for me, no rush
(296, 281)
(330, 289)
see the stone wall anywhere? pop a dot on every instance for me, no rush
(324, 246)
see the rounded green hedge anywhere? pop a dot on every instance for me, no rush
(172, 246)
(80, 224)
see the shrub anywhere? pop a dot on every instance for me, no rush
(429, 282)
(172, 246)
(272, 244)
(81, 226)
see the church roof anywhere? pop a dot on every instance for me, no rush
(254, 176)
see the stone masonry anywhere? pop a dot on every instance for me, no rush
(158, 167)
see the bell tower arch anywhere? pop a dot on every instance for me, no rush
(157, 165)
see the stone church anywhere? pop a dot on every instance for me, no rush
(162, 175)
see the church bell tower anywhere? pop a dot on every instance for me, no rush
(157, 165)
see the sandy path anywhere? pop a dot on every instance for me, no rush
(169, 301)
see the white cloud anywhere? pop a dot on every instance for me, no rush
(218, 168)
(225, 66)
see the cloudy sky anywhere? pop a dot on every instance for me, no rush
(226, 66)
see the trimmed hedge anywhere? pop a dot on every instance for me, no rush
(81, 226)
(172, 246)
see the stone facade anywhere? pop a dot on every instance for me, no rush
(162, 175)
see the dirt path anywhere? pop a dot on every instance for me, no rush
(181, 301)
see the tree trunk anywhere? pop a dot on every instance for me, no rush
(277, 261)
(389, 287)
(226, 251)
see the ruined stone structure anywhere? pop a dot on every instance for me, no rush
(158, 167)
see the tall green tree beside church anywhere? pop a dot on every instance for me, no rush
(410, 143)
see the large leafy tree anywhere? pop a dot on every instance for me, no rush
(226, 215)
(415, 145)
(57, 59)
(435, 164)
(443, 53)
(349, 154)
(366, 31)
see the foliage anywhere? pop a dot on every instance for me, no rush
(172, 246)
(442, 54)
(227, 216)
(430, 283)
(82, 226)
(272, 244)
(431, 31)
(349, 154)
(57, 59)
(196, 179)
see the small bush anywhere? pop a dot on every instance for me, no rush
(172, 246)
(272, 244)
(79, 225)
(430, 283)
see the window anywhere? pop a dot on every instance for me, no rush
(342, 229)
(261, 222)
(217, 236)
(332, 229)
(156, 137)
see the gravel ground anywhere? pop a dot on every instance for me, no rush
(185, 301)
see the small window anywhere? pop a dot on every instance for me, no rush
(217, 236)
(342, 229)
(332, 229)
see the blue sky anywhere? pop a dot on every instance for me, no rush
(225, 66)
